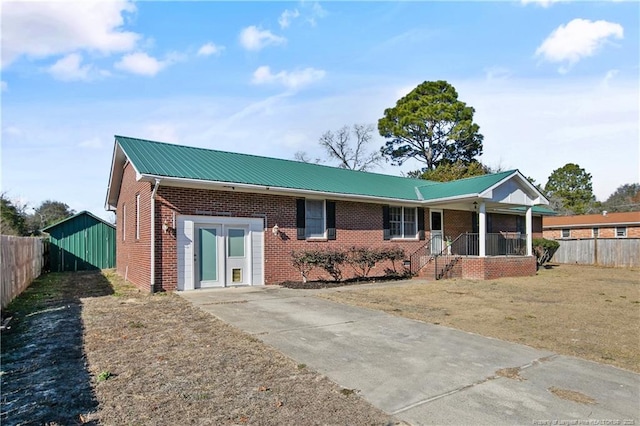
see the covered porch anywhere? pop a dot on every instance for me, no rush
(483, 235)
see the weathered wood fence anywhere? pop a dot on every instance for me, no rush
(22, 260)
(623, 252)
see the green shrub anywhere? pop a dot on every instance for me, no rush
(544, 249)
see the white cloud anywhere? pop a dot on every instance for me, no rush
(164, 132)
(3, 86)
(497, 73)
(142, 64)
(543, 3)
(70, 68)
(92, 143)
(287, 16)
(43, 29)
(209, 49)
(253, 38)
(578, 39)
(611, 74)
(12, 131)
(291, 80)
(317, 12)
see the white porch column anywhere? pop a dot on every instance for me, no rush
(529, 230)
(482, 228)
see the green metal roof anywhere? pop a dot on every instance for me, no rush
(461, 187)
(157, 159)
(177, 161)
(82, 213)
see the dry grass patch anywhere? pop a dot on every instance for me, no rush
(166, 362)
(583, 311)
(570, 395)
(83, 348)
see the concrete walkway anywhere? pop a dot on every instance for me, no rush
(423, 373)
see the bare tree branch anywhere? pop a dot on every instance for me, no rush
(352, 156)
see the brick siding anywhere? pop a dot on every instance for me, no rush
(357, 224)
(585, 233)
(133, 259)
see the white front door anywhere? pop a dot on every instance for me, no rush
(436, 231)
(219, 251)
(236, 258)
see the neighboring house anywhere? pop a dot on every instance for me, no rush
(191, 218)
(607, 239)
(605, 225)
(81, 242)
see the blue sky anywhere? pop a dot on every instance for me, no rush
(552, 82)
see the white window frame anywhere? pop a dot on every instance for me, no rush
(595, 232)
(624, 232)
(402, 236)
(307, 234)
(568, 233)
(137, 216)
(124, 222)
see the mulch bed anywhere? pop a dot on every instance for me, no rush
(319, 284)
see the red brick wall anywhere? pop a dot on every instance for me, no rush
(133, 255)
(357, 224)
(456, 222)
(604, 232)
(489, 268)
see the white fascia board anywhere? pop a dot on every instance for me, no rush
(114, 174)
(245, 187)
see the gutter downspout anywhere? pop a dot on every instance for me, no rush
(153, 235)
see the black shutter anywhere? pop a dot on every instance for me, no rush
(300, 215)
(421, 223)
(386, 226)
(331, 220)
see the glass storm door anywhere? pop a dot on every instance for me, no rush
(237, 256)
(206, 262)
(436, 231)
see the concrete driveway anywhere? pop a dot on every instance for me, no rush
(428, 374)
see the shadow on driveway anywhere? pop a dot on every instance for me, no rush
(44, 374)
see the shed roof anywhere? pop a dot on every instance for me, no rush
(82, 213)
(190, 165)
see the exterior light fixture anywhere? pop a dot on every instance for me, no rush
(275, 230)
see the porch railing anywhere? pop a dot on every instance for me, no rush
(420, 257)
(496, 244)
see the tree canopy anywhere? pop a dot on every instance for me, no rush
(432, 126)
(16, 221)
(446, 172)
(569, 190)
(12, 218)
(50, 212)
(625, 199)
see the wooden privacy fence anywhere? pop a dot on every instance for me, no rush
(22, 260)
(624, 252)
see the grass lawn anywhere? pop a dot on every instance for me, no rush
(89, 348)
(583, 311)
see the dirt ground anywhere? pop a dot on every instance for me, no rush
(583, 311)
(85, 348)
